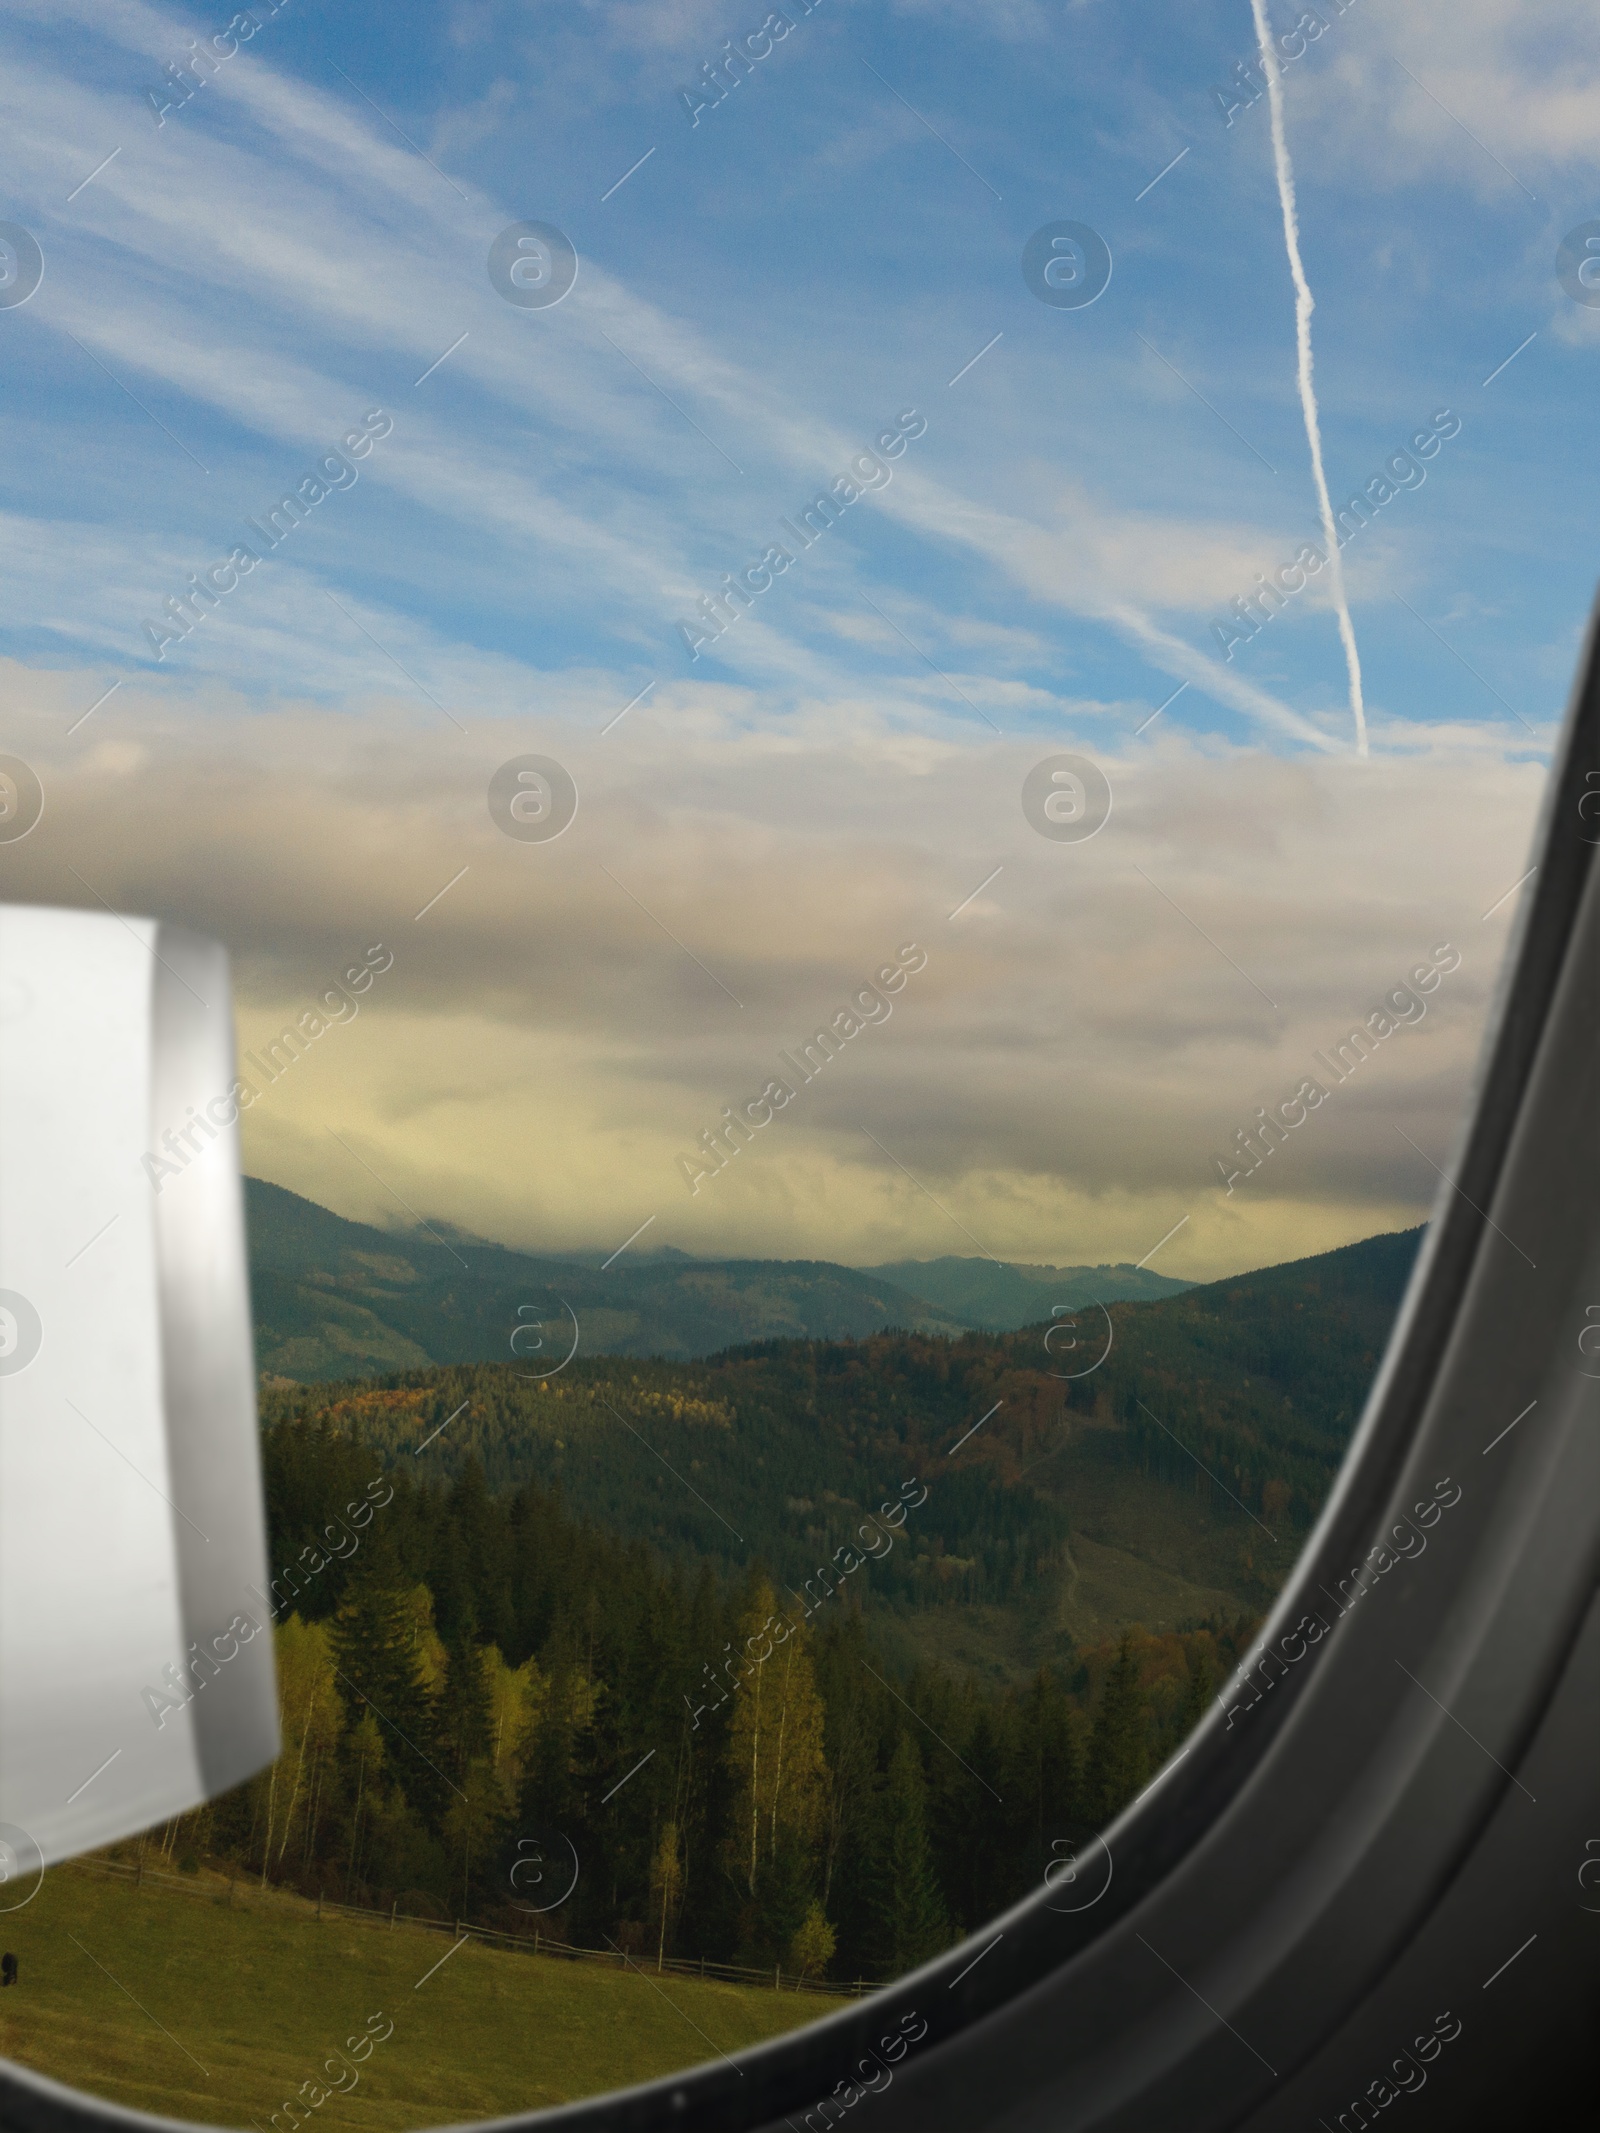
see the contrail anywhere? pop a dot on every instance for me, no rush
(1303, 308)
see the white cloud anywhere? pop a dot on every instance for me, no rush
(1086, 1038)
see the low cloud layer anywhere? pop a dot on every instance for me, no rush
(1088, 1035)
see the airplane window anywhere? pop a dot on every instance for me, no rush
(861, 695)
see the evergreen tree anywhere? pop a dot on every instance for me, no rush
(979, 1835)
(368, 1759)
(1118, 1757)
(1049, 1772)
(379, 1673)
(547, 1797)
(906, 1911)
(473, 1824)
(464, 1719)
(784, 1893)
(1199, 1694)
(851, 1701)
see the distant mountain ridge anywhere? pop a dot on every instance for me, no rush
(994, 1298)
(341, 1299)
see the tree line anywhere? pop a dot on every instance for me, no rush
(496, 1710)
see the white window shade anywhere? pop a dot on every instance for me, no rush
(136, 1673)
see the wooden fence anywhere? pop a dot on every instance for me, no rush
(536, 1943)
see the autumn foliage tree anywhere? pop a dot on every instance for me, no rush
(776, 1756)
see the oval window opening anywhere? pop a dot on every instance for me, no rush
(826, 807)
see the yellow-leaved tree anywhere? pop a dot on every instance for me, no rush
(775, 1742)
(516, 1698)
(666, 1882)
(311, 1720)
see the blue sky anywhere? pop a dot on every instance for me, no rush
(803, 262)
(299, 242)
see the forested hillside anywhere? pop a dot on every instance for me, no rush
(482, 1696)
(1203, 1442)
(670, 1626)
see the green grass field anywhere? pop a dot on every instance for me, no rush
(239, 2005)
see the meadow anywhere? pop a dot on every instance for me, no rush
(183, 1998)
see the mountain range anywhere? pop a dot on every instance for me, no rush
(1155, 1461)
(339, 1299)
